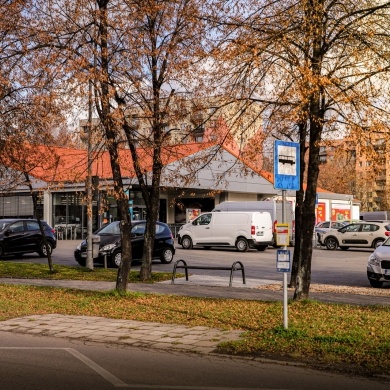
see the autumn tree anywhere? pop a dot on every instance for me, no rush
(143, 58)
(316, 67)
(28, 107)
(338, 171)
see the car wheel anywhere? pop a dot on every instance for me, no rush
(375, 283)
(344, 248)
(261, 248)
(186, 242)
(166, 255)
(116, 259)
(377, 243)
(331, 243)
(242, 244)
(42, 249)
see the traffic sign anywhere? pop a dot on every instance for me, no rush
(286, 165)
(283, 260)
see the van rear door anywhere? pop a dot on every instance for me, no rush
(262, 227)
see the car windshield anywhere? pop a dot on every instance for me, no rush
(111, 228)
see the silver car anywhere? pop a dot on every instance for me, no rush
(325, 226)
(358, 235)
(378, 267)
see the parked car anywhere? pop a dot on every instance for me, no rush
(360, 235)
(111, 246)
(19, 236)
(378, 266)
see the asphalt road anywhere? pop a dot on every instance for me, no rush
(41, 363)
(344, 268)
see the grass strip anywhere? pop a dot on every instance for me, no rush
(24, 270)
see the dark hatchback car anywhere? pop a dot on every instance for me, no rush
(111, 246)
(19, 236)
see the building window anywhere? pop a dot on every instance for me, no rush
(18, 206)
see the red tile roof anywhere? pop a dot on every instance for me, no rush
(55, 164)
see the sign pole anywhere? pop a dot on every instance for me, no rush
(285, 297)
(286, 177)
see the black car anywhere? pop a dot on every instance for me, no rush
(111, 246)
(19, 236)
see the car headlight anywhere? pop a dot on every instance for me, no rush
(373, 260)
(107, 248)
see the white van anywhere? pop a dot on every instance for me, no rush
(243, 230)
(270, 206)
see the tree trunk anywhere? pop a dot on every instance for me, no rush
(153, 203)
(42, 230)
(308, 221)
(110, 127)
(314, 16)
(299, 197)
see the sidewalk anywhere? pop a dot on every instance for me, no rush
(212, 287)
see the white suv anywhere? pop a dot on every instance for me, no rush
(359, 235)
(378, 266)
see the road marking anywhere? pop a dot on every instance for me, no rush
(116, 382)
(100, 370)
(91, 364)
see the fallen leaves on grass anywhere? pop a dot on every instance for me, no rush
(327, 288)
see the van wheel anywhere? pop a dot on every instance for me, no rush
(261, 248)
(186, 242)
(242, 244)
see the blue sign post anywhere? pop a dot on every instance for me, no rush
(286, 177)
(286, 165)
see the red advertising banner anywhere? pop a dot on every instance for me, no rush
(340, 214)
(320, 212)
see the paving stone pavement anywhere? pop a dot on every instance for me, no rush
(200, 339)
